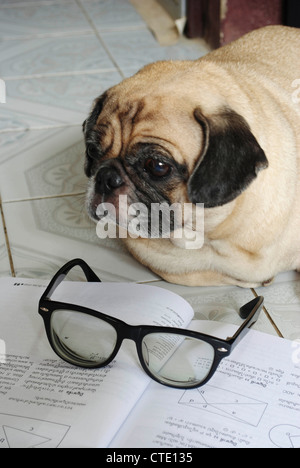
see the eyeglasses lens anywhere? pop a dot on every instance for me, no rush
(82, 339)
(177, 360)
(173, 359)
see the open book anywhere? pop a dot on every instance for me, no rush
(253, 400)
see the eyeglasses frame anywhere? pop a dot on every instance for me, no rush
(222, 347)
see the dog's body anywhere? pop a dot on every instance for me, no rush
(223, 130)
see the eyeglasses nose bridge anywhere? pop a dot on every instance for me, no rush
(130, 332)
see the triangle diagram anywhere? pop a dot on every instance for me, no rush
(249, 413)
(17, 438)
(295, 441)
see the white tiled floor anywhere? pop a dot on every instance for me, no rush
(56, 57)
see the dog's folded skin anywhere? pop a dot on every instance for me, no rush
(224, 131)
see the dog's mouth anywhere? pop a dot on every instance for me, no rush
(98, 203)
(111, 194)
(133, 194)
(113, 197)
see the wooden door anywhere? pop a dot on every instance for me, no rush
(222, 21)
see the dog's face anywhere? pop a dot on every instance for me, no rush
(155, 142)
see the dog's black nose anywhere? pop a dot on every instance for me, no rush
(107, 180)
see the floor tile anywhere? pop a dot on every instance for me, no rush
(60, 18)
(17, 3)
(15, 116)
(52, 101)
(133, 51)
(282, 301)
(112, 14)
(50, 163)
(220, 304)
(46, 233)
(52, 55)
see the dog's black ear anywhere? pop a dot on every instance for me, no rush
(91, 135)
(230, 159)
(89, 123)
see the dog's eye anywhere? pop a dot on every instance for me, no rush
(157, 168)
(92, 152)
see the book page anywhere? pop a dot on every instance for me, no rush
(47, 403)
(252, 401)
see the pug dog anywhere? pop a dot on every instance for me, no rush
(223, 131)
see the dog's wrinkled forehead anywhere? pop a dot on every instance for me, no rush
(122, 123)
(121, 120)
(117, 124)
(114, 123)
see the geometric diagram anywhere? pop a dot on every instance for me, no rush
(22, 432)
(225, 403)
(285, 436)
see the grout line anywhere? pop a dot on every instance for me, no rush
(269, 317)
(95, 71)
(47, 35)
(40, 128)
(62, 35)
(99, 37)
(158, 280)
(11, 263)
(273, 323)
(43, 197)
(32, 3)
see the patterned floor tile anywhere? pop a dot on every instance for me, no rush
(44, 234)
(16, 117)
(17, 3)
(52, 55)
(282, 300)
(51, 163)
(52, 101)
(112, 14)
(60, 18)
(133, 51)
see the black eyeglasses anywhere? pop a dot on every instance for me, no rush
(171, 356)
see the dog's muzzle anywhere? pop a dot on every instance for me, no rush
(108, 179)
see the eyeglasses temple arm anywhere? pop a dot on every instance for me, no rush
(61, 274)
(250, 312)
